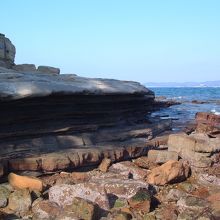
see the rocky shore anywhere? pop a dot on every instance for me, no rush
(178, 179)
(81, 148)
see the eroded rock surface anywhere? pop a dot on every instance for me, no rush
(84, 119)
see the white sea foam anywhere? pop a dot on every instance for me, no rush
(215, 112)
(177, 97)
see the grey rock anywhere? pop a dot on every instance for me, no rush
(45, 210)
(205, 178)
(96, 190)
(21, 85)
(48, 70)
(4, 194)
(4, 69)
(20, 202)
(25, 68)
(7, 52)
(185, 144)
(127, 167)
(196, 148)
(175, 195)
(67, 215)
(122, 188)
(63, 194)
(162, 156)
(192, 203)
(187, 187)
(191, 214)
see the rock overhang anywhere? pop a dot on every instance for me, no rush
(14, 85)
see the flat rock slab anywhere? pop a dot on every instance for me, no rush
(185, 144)
(80, 157)
(162, 156)
(14, 85)
(98, 191)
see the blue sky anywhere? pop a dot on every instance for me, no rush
(142, 40)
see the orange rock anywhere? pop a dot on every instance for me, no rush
(25, 182)
(202, 192)
(79, 176)
(104, 165)
(170, 172)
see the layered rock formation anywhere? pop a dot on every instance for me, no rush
(44, 113)
(202, 146)
(51, 122)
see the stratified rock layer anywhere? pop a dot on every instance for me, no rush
(41, 114)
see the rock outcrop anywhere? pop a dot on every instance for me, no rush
(7, 52)
(208, 123)
(51, 122)
(201, 147)
(43, 113)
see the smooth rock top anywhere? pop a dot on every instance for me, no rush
(14, 85)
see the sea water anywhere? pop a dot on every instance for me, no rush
(186, 111)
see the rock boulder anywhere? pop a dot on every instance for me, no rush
(170, 172)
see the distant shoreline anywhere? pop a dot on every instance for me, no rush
(206, 84)
(182, 86)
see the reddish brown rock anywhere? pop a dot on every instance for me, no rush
(79, 176)
(201, 192)
(25, 182)
(208, 117)
(65, 178)
(207, 123)
(144, 162)
(170, 172)
(55, 161)
(73, 158)
(19, 202)
(22, 164)
(214, 197)
(207, 129)
(105, 164)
